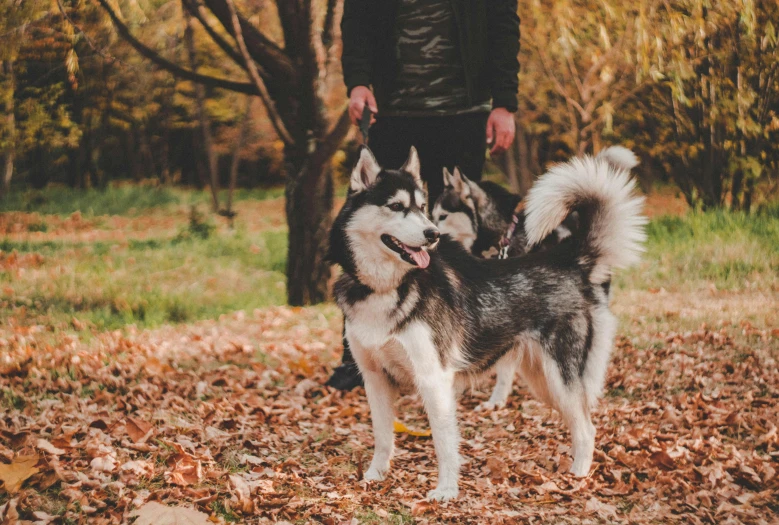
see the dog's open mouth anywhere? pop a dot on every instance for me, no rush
(417, 256)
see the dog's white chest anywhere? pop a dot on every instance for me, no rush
(370, 320)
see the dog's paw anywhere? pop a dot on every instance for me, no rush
(489, 406)
(375, 474)
(442, 494)
(580, 468)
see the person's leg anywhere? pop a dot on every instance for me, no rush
(346, 376)
(471, 144)
(435, 152)
(390, 139)
(450, 141)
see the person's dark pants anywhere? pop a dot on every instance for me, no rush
(448, 141)
(459, 140)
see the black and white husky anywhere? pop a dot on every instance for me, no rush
(480, 214)
(422, 313)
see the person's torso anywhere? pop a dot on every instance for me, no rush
(430, 76)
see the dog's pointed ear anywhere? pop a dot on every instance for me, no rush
(365, 171)
(413, 167)
(460, 183)
(447, 178)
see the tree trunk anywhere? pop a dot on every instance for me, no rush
(236, 162)
(735, 190)
(10, 122)
(524, 171)
(746, 204)
(205, 126)
(309, 207)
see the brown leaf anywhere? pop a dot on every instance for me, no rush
(242, 493)
(45, 446)
(138, 430)
(420, 507)
(186, 470)
(153, 513)
(15, 474)
(663, 460)
(604, 510)
(155, 367)
(498, 470)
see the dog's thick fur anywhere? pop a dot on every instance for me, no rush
(478, 214)
(423, 313)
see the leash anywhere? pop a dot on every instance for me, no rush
(365, 123)
(503, 253)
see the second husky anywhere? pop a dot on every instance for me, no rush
(423, 313)
(480, 215)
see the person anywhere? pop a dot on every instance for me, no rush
(441, 75)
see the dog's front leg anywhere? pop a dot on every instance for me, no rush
(436, 386)
(381, 396)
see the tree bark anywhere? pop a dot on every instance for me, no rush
(10, 122)
(309, 209)
(236, 162)
(205, 125)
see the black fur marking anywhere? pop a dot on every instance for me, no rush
(351, 290)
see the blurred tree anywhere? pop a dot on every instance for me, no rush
(722, 93)
(293, 80)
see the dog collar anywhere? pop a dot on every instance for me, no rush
(503, 253)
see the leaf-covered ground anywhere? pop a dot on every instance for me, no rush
(228, 420)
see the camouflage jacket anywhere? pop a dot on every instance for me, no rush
(488, 38)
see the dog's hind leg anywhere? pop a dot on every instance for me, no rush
(571, 400)
(436, 386)
(505, 370)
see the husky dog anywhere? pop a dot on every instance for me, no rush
(422, 313)
(478, 214)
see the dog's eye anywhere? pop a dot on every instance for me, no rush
(443, 216)
(396, 206)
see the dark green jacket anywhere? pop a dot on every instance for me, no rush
(488, 33)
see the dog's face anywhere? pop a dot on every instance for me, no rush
(454, 213)
(385, 225)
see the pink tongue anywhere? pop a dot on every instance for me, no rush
(422, 258)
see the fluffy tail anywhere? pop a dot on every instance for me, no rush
(619, 157)
(611, 228)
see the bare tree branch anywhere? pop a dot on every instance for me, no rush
(124, 32)
(196, 10)
(263, 50)
(270, 107)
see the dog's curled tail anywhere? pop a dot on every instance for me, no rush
(611, 226)
(619, 157)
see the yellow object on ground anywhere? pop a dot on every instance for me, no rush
(401, 427)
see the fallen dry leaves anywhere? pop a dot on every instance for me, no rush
(228, 421)
(17, 472)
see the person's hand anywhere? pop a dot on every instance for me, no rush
(500, 130)
(360, 96)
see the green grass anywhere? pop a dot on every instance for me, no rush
(148, 283)
(120, 200)
(369, 516)
(728, 250)
(191, 271)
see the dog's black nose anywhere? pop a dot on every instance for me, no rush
(432, 235)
